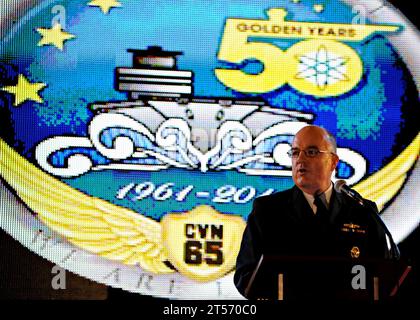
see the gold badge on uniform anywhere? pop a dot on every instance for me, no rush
(351, 227)
(355, 252)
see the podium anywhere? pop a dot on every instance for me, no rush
(297, 278)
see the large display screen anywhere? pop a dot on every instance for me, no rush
(135, 135)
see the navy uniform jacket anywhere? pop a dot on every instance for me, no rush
(284, 224)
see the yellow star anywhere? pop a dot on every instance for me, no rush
(24, 90)
(318, 8)
(105, 5)
(55, 36)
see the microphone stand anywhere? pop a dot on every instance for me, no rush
(394, 251)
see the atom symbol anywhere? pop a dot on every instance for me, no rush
(322, 68)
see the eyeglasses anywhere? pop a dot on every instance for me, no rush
(310, 152)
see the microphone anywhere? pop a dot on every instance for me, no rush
(341, 187)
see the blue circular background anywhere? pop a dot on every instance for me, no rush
(378, 118)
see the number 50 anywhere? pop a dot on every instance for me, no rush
(338, 70)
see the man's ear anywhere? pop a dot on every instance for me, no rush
(335, 160)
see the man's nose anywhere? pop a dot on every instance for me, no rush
(301, 155)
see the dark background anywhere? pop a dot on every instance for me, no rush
(25, 275)
(409, 8)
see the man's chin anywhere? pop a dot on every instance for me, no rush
(302, 183)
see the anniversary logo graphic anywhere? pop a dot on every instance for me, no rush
(136, 134)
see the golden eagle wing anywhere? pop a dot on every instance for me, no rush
(383, 185)
(90, 223)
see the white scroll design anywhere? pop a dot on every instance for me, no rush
(127, 144)
(77, 164)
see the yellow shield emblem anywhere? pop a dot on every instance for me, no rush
(203, 243)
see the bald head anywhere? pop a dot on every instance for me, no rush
(322, 134)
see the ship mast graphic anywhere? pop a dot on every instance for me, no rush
(154, 74)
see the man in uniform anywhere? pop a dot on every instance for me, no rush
(311, 218)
